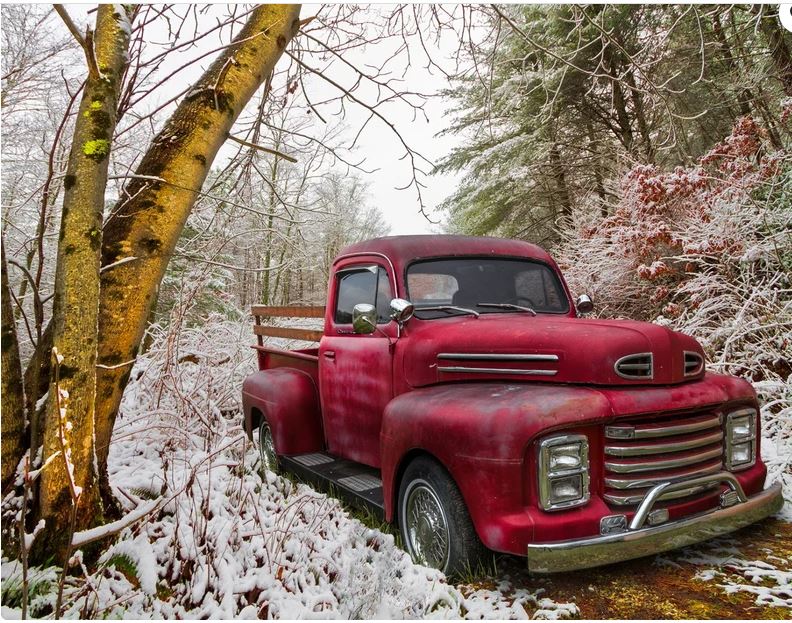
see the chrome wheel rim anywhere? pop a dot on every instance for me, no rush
(426, 526)
(267, 449)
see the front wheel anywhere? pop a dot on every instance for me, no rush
(269, 459)
(434, 521)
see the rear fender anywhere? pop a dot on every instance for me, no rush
(289, 401)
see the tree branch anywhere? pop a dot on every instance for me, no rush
(61, 10)
(86, 43)
(274, 152)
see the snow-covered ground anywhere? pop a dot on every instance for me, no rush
(226, 541)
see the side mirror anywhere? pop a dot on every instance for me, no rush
(584, 304)
(401, 310)
(364, 318)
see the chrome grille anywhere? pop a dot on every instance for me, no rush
(635, 367)
(642, 453)
(693, 363)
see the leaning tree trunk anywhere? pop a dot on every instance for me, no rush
(141, 236)
(69, 495)
(13, 399)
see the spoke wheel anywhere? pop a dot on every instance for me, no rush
(426, 526)
(269, 459)
(434, 521)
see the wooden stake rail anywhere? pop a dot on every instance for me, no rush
(265, 330)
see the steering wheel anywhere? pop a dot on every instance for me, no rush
(522, 301)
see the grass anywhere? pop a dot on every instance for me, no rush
(42, 586)
(126, 566)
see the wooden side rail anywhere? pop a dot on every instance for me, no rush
(265, 330)
(289, 311)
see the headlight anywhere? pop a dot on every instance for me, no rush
(740, 439)
(563, 471)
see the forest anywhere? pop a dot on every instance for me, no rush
(167, 166)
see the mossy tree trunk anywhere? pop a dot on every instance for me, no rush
(147, 226)
(69, 419)
(13, 399)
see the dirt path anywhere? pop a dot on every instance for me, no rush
(745, 576)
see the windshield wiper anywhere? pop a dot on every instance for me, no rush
(507, 306)
(448, 308)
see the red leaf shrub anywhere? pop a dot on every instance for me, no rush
(706, 250)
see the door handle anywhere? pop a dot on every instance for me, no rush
(330, 354)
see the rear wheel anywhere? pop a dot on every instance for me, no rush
(434, 520)
(269, 459)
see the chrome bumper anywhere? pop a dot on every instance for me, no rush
(637, 541)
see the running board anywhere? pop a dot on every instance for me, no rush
(358, 484)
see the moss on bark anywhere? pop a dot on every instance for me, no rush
(148, 226)
(13, 410)
(76, 304)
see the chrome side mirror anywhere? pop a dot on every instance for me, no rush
(364, 318)
(584, 304)
(401, 310)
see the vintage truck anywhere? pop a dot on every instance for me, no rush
(457, 390)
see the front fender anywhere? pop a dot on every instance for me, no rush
(289, 401)
(480, 432)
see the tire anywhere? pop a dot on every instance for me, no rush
(269, 459)
(434, 521)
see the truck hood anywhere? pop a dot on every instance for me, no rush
(554, 349)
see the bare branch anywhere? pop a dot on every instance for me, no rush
(267, 150)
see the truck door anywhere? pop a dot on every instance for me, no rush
(356, 371)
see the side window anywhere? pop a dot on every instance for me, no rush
(363, 284)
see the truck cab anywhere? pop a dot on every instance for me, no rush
(457, 390)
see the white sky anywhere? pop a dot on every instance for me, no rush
(381, 149)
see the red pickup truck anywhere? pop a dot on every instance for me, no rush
(457, 390)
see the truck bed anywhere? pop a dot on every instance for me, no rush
(303, 359)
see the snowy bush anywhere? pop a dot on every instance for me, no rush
(706, 250)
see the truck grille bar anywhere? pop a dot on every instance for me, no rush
(641, 453)
(662, 448)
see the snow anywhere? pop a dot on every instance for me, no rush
(30, 537)
(227, 541)
(94, 534)
(123, 20)
(769, 580)
(139, 550)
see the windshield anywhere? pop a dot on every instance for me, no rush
(468, 282)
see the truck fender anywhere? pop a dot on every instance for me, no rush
(481, 434)
(288, 399)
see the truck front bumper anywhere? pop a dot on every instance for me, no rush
(637, 541)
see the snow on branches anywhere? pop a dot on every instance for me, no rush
(707, 250)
